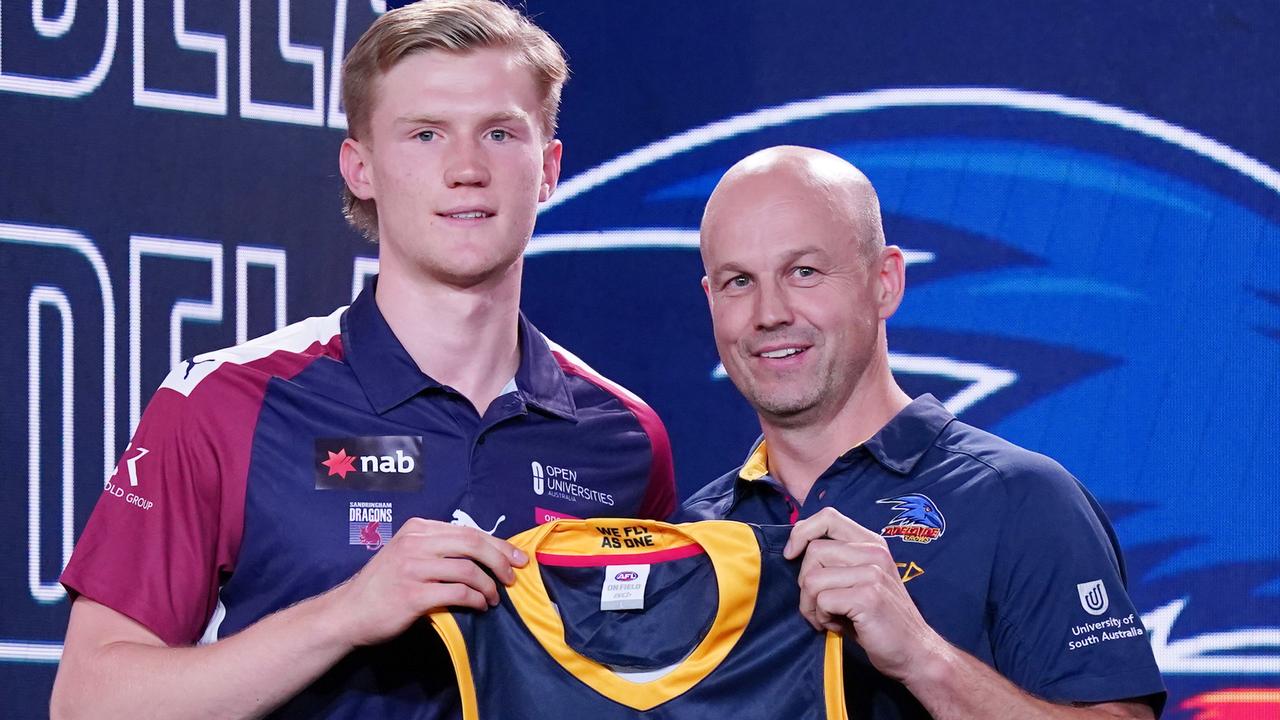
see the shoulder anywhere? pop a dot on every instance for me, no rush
(283, 353)
(591, 389)
(1027, 492)
(712, 501)
(1012, 469)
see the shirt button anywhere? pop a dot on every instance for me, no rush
(822, 494)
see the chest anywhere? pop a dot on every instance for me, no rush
(330, 484)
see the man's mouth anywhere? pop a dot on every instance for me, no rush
(781, 353)
(469, 214)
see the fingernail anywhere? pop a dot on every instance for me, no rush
(519, 557)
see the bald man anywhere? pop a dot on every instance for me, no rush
(971, 578)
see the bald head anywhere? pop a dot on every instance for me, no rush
(791, 174)
(799, 283)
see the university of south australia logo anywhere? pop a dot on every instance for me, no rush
(1093, 597)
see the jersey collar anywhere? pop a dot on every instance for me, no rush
(898, 445)
(389, 376)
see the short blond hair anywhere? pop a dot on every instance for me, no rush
(455, 26)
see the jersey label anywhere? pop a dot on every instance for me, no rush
(389, 463)
(623, 587)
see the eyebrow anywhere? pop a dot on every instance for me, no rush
(495, 118)
(794, 255)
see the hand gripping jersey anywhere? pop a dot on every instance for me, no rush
(620, 618)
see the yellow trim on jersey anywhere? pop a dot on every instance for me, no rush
(737, 578)
(756, 466)
(833, 678)
(447, 627)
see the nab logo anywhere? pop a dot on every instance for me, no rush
(1093, 597)
(381, 462)
(626, 576)
(539, 478)
(340, 463)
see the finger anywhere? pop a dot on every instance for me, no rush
(827, 522)
(471, 544)
(460, 572)
(866, 591)
(837, 553)
(435, 528)
(442, 595)
(815, 579)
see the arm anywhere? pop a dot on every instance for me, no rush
(849, 583)
(114, 667)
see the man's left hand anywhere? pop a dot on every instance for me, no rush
(850, 583)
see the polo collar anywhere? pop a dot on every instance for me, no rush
(389, 376)
(898, 445)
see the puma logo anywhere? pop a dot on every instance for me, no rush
(460, 517)
(191, 363)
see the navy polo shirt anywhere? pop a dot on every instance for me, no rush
(1005, 554)
(267, 473)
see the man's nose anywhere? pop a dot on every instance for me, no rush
(467, 165)
(772, 306)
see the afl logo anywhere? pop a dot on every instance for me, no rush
(626, 576)
(539, 478)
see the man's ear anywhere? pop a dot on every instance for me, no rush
(356, 164)
(551, 155)
(891, 280)
(706, 288)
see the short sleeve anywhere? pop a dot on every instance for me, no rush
(1064, 627)
(660, 496)
(166, 526)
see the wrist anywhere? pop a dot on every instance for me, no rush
(333, 626)
(935, 668)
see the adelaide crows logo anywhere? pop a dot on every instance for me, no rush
(1090, 282)
(918, 519)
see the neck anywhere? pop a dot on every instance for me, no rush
(466, 338)
(801, 451)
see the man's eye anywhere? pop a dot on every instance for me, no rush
(739, 281)
(805, 272)
(499, 135)
(426, 135)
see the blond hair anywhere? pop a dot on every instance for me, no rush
(454, 26)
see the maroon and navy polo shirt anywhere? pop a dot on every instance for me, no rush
(269, 472)
(1006, 555)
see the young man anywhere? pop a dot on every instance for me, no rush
(968, 561)
(257, 502)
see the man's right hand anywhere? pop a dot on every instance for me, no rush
(427, 565)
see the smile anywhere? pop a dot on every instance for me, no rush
(781, 353)
(469, 215)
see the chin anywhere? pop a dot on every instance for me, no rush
(470, 274)
(785, 407)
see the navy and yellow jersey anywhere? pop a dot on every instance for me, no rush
(719, 631)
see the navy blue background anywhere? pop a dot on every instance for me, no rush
(1132, 285)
